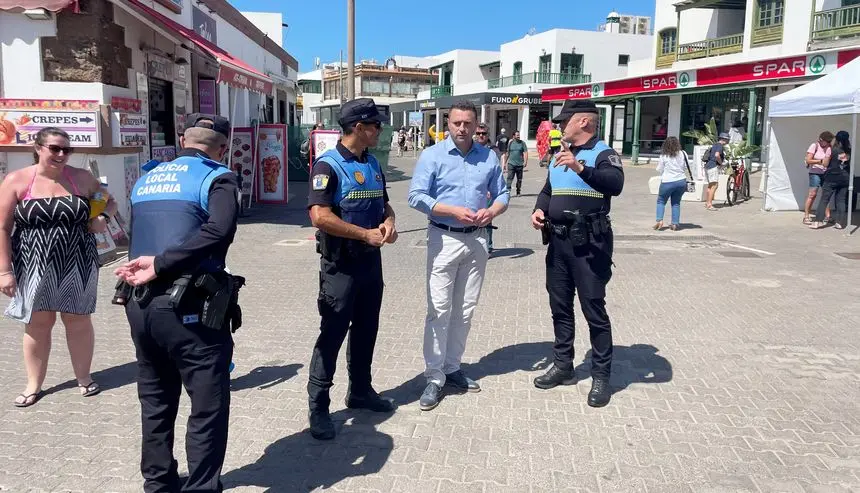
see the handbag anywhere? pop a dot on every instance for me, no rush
(691, 185)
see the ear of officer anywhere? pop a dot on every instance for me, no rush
(203, 193)
(602, 174)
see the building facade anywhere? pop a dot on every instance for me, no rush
(722, 61)
(120, 75)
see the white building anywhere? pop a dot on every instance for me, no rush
(506, 85)
(723, 60)
(626, 24)
(147, 65)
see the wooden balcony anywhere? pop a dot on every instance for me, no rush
(539, 78)
(835, 24)
(666, 60)
(711, 47)
(770, 35)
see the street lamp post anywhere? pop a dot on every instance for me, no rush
(350, 39)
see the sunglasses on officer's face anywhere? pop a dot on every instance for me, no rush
(376, 124)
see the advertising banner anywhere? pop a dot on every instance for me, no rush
(271, 164)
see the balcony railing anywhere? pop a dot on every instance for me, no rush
(711, 47)
(767, 35)
(665, 60)
(539, 78)
(440, 91)
(836, 23)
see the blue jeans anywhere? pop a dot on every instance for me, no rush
(672, 190)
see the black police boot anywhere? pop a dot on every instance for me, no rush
(600, 392)
(322, 427)
(554, 377)
(369, 400)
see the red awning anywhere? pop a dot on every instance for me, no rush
(231, 71)
(52, 5)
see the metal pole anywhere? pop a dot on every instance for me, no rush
(766, 166)
(752, 114)
(340, 76)
(637, 115)
(851, 174)
(350, 48)
(416, 131)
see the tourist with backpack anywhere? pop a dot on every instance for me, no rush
(714, 160)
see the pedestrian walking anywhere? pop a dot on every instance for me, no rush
(714, 162)
(573, 209)
(673, 167)
(502, 145)
(349, 205)
(835, 183)
(517, 160)
(182, 306)
(817, 159)
(47, 218)
(450, 185)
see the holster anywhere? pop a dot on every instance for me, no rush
(328, 246)
(178, 290)
(122, 293)
(546, 232)
(217, 288)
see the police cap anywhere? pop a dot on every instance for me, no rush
(359, 110)
(574, 106)
(212, 122)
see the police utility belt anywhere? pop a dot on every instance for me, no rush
(579, 227)
(334, 248)
(218, 290)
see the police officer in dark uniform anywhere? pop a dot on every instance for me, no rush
(183, 219)
(573, 212)
(349, 204)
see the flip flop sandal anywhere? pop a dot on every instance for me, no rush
(807, 220)
(90, 390)
(28, 400)
(838, 226)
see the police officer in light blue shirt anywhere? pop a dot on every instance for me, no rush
(349, 205)
(450, 185)
(183, 220)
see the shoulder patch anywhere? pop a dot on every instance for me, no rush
(320, 182)
(615, 159)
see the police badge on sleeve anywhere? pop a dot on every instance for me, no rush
(320, 182)
(615, 160)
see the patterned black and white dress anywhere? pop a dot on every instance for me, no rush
(54, 257)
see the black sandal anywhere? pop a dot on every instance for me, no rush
(28, 399)
(90, 389)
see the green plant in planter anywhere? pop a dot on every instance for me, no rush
(706, 137)
(740, 150)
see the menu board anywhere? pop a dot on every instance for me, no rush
(322, 141)
(272, 164)
(242, 156)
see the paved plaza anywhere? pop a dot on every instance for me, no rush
(736, 368)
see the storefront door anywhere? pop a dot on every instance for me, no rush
(506, 119)
(162, 128)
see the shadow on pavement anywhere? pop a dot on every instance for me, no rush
(529, 356)
(264, 377)
(293, 213)
(300, 463)
(108, 379)
(638, 363)
(511, 252)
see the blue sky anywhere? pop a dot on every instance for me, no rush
(390, 27)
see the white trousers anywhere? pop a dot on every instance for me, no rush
(455, 272)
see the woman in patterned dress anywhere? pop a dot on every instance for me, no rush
(49, 260)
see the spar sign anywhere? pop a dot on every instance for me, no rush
(808, 65)
(21, 120)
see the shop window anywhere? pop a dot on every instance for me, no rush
(623, 60)
(537, 114)
(518, 73)
(571, 63)
(668, 41)
(770, 12)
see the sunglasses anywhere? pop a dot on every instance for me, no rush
(57, 149)
(480, 133)
(376, 124)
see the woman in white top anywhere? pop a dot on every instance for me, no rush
(673, 181)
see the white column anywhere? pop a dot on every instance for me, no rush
(275, 112)
(405, 118)
(439, 121)
(674, 127)
(483, 113)
(524, 123)
(391, 118)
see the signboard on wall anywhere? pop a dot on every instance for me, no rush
(206, 91)
(125, 104)
(808, 65)
(204, 25)
(159, 67)
(143, 96)
(132, 129)
(163, 153)
(272, 164)
(322, 141)
(21, 120)
(242, 156)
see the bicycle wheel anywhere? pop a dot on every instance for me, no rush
(731, 190)
(745, 187)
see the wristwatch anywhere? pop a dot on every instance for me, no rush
(107, 217)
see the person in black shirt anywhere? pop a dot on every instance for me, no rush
(502, 148)
(179, 235)
(573, 208)
(348, 202)
(835, 182)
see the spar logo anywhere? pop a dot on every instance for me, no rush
(657, 83)
(684, 79)
(817, 64)
(782, 68)
(582, 92)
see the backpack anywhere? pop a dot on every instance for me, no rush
(707, 155)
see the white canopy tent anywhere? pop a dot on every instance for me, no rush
(796, 118)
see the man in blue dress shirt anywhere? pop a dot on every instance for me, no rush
(450, 185)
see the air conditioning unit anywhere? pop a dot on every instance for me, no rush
(37, 14)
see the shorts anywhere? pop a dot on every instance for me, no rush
(814, 180)
(713, 174)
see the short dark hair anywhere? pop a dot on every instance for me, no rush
(349, 129)
(465, 106)
(826, 136)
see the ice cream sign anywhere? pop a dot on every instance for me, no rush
(21, 120)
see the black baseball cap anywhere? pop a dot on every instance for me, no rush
(574, 106)
(212, 122)
(360, 110)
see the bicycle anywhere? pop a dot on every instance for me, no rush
(738, 184)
